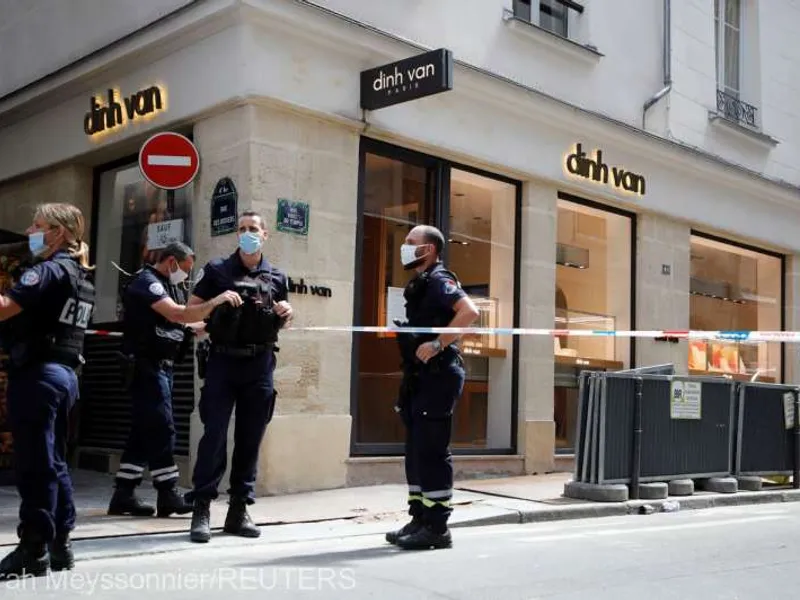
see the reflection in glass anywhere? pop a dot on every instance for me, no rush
(732, 288)
(396, 198)
(136, 220)
(593, 292)
(481, 254)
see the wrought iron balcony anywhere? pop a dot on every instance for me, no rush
(735, 110)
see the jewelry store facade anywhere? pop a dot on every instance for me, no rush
(556, 218)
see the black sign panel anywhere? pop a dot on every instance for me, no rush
(408, 79)
(223, 207)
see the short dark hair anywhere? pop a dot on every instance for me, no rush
(431, 235)
(255, 215)
(177, 249)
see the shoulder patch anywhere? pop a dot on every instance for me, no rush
(30, 278)
(450, 286)
(157, 289)
(200, 274)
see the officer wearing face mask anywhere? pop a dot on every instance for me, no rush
(154, 330)
(433, 379)
(44, 318)
(238, 373)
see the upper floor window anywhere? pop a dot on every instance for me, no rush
(728, 33)
(551, 15)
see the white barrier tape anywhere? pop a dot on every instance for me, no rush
(733, 335)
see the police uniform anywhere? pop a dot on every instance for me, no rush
(427, 401)
(45, 345)
(239, 372)
(152, 344)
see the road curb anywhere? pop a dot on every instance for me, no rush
(631, 507)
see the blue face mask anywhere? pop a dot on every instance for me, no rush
(36, 243)
(250, 242)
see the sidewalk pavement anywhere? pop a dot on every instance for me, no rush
(477, 502)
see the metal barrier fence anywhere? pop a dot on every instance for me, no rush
(638, 426)
(768, 432)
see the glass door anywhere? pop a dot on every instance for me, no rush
(480, 251)
(397, 195)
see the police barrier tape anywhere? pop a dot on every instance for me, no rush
(733, 335)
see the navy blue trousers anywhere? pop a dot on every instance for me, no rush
(428, 417)
(243, 383)
(40, 398)
(151, 442)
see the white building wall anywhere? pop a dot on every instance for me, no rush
(38, 37)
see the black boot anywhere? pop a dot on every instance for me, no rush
(125, 502)
(425, 538)
(61, 555)
(171, 502)
(29, 559)
(407, 529)
(201, 521)
(238, 521)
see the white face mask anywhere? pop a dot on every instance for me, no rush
(178, 276)
(408, 254)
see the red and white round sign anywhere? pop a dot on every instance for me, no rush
(169, 161)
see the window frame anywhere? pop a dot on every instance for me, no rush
(634, 222)
(441, 211)
(722, 240)
(720, 26)
(127, 160)
(536, 12)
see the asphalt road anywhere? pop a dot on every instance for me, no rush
(726, 553)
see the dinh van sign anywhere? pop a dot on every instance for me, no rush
(408, 79)
(594, 169)
(115, 114)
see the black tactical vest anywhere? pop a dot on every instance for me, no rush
(162, 339)
(254, 322)
(421, 310)
(57, 336)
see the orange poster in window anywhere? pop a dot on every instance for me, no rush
(725, 358)
(698, 358)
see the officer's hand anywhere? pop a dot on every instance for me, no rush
(230, 297)
(284, 310)
(426, 351)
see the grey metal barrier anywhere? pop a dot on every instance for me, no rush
(635, 427)
(768, 431)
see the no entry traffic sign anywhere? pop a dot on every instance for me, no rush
(169, 161)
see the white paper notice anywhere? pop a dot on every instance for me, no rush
(163, 233)
(788, 410)
(395, 305)
(686, 400)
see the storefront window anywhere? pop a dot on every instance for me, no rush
(135, 221)
(399, 192)
(593, 292)
(734, 288)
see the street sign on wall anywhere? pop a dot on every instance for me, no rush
(169, 161)
(223, 207)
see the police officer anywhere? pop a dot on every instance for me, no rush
(432, 383)
(154, 334)
(45, 316)
(239, 372)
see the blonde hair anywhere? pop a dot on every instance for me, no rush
(71, 219)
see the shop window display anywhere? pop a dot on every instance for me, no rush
(735, 288)
(593, 292)
(402, 190)
(136, 220)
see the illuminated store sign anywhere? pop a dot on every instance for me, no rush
(578, 163)
(114, 114)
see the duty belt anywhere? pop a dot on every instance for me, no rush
(244, 350)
